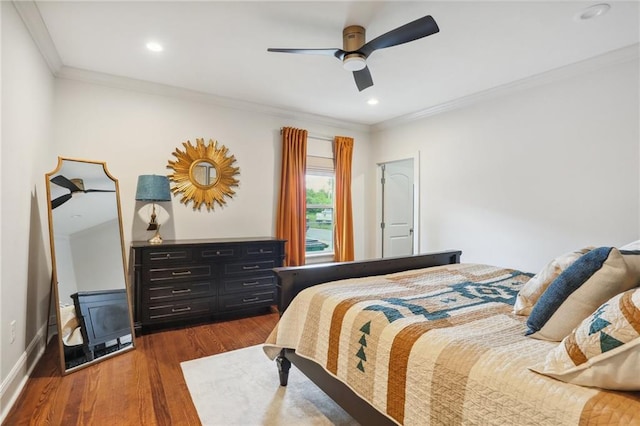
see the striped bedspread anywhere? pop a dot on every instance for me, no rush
(440, 346)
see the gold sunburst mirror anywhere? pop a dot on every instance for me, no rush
(203, 174)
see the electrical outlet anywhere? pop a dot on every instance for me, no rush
(12, 332)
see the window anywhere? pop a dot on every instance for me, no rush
(320, 182)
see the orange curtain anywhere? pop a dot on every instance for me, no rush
(293, 195)
(343, 225)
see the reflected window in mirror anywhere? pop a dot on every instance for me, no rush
(204, 173)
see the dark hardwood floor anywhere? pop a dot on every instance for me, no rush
(142, 387)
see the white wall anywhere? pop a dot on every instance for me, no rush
(27, 95)
(136, 133)
(522, 178)
(89, 258)
(65, 272)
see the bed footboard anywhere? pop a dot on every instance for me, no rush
(292, 280)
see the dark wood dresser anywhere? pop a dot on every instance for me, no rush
(183, 281)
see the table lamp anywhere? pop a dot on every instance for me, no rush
(153, 188)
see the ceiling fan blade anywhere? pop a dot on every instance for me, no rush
(99, 190)
(338, 53)
(56, 202)
(65, 183)
(363, 78)
(414, 30)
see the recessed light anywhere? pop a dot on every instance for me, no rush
(372, 101)
(155, 46)
(593, 11)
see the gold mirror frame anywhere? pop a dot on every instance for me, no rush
(186, 183)
(86, 233)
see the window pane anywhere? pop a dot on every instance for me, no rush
(319, 214)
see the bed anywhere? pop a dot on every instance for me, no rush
(428, 340)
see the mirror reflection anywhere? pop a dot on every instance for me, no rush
(94, 316)
(204, 173)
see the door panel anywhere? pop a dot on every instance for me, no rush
(397, 212)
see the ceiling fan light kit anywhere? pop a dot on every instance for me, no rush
(354, 62)
(355, 51)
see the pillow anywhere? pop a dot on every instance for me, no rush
(589, 282)
(635, 245)
(632, 259)
(533, 289)
(604, 350)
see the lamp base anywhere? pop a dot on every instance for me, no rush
(156, 239)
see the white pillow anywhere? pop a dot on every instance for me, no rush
(604, 350)
(632, 258)
(589, 282)
(635, 245)
(533, 289)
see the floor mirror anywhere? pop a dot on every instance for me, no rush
(92, 297)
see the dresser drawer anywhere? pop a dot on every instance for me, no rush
(211, 253)
(171, 291)
(179, 273)
(158, 255)
(249, 267)
(165, 312)
(247, 300)
(261, 250)
(248, 284)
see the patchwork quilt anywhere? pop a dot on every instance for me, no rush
(440, 346)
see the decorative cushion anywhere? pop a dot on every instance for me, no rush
(533, 289)
(632, 258)
(635, 245)
(589, 282)
(604, 350)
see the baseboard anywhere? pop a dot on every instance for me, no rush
(12, 386)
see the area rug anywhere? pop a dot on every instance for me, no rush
(241, 387)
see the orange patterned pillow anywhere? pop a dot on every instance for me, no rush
(604, 350)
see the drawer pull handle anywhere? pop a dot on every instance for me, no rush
(187, 309)
(247, 268)
(186, 290)
(252, 299)
(176, 274)
(266, 251)
(251, 283)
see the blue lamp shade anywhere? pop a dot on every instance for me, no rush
(153, 188)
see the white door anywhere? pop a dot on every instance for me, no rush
(397, 208)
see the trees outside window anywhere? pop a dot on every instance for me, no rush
(319, 214)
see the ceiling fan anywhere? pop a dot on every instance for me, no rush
(355, 51)
(73, 185)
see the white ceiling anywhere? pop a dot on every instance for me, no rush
(220, 48)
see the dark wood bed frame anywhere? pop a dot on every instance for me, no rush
(292, 280)
(103, 316)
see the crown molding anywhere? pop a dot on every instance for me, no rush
(126, 83)
(30, 14)
(618, 56)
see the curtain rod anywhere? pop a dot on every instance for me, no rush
(314, 136)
